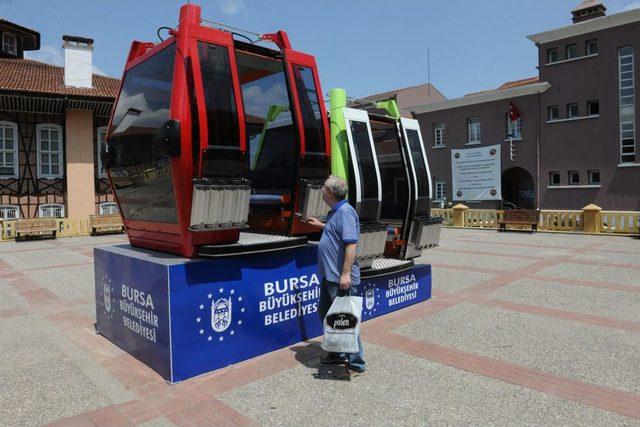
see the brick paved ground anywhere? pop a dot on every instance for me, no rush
(522, 329)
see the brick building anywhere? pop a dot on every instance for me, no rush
(575, 141)
(51, 122)
(408, 97)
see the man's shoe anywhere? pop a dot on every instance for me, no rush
(329, 359)
(345, 374)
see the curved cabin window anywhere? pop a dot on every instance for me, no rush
(420, 169)
(140, 172)
(270, 130)
(222, 156)
(393, 175)
(367, 166)
(310, 108)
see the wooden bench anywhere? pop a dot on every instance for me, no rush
(520, 217)
(106, 224)
(36, 227)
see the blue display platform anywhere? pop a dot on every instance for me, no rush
(186, 317)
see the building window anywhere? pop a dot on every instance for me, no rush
(514, 128)
(554, 178)
(10, 44)
(571, 51)
(438, 134)
(100, 139)
(8, 150)
(552, 55)
(574, 178)
(440, 189)
(8, 212)
(627, 100)
(553, 112)
(474, 130)
(51, 211)
(572, 111)
(49, 138)
(593, 107)
(108, 208)
(594, 177)
(591, 47)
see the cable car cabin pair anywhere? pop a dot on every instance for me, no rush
(389, 182)
(211, 135)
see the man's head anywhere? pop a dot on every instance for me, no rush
(334, 190)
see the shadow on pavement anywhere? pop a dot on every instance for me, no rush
(308, 354)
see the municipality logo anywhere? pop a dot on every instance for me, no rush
(371, 299)
(221, 317)
(106, 301)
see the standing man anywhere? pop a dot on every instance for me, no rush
(337, 265)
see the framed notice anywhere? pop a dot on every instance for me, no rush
(476, 173)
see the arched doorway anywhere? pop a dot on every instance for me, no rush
(517, 188)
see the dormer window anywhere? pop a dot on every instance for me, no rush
(10, 43)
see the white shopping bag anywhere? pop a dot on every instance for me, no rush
(342, 325)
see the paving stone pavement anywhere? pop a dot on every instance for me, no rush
(522, 329)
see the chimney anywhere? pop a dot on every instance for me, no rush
(78, 58)
(588, 9)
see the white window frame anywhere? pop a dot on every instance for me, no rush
(514, 127)
(474, 131)
(551, 183)
(569, 106)
(440, 189)
(6, 208)
(44, 207)
(49, 127)
(9, 36)
(627, 110)
(566, 50)
(589, 104)
(438, 134)
(590, 173)
(102, 173)
(589, 43)
(570, 174)
(14, 127)
(108, 205)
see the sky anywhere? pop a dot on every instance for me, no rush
(363, 46)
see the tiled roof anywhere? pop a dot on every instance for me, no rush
(520, 82)
(26, 75)
(393, 93)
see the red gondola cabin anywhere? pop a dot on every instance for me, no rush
(211, 135)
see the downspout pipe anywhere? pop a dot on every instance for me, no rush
(538, 180)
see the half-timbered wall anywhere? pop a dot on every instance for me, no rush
(28, 191)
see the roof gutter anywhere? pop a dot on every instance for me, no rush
(479, 98)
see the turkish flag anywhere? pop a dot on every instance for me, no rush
(514, 114)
